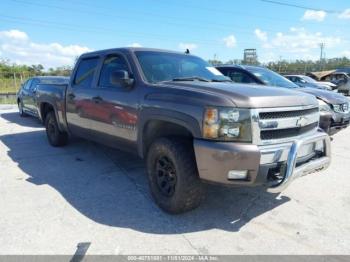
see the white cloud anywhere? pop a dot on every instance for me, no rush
(314, 15)
(261, 35)
(230, 41)
(299, 41)
(345, 14)
(17, 46)
(346, 53)
(14, 35)
(189, 46)
(135, 45)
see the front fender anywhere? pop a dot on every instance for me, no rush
(166, 115)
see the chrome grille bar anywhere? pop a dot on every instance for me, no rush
(285, 124)
(289, 122)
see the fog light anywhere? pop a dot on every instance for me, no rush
(237, 174)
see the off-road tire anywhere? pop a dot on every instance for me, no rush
(54, 135)
(188, 190)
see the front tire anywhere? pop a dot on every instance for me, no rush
(55, 136)
(173, 177)
(20, 109)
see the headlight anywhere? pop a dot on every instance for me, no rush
(337, 108)
(342, 108)
(324, 107)
(227, 124)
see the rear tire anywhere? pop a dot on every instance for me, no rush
(20, 109)
(173, 177)
(55, 136)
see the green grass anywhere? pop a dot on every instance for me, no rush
(8, 86)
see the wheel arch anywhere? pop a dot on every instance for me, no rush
(44, 109)
(165, 124)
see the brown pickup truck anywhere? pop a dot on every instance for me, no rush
(188, 121)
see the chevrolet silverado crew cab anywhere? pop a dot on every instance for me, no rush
(188, 121)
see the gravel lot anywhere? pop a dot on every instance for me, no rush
(86, 197)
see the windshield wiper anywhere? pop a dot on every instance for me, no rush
(192, 78)
(221, 80)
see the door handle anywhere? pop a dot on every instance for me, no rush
(97, 99)
(71, 96)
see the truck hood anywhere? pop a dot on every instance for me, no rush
(327, 96)
(249, 96)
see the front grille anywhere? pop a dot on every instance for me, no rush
(286, 133)
(286, 114)
(271, 125)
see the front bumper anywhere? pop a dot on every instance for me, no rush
(263, 163)
(334, 122)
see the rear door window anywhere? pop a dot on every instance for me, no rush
(85, 72)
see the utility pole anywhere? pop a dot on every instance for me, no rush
(322, 45)
(279, 64)
(215, 59)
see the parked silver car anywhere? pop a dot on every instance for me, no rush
(306, 81)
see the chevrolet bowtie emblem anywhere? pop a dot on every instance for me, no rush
(302, 121)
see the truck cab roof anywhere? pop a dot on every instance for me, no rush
(128, 50)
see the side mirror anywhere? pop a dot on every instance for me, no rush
(121, 78)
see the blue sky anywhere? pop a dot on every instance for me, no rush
(54, 32)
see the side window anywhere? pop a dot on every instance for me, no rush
(85, 72)
(327, 78)
(240, 77)
(111, 64)
(27, 84)
(33, 84)
(223, 71)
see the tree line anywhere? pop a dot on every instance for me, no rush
(8, 69)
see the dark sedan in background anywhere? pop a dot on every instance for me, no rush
(334, 107)
(26, 96)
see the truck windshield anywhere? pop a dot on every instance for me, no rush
(162, 66)
(271, 78)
